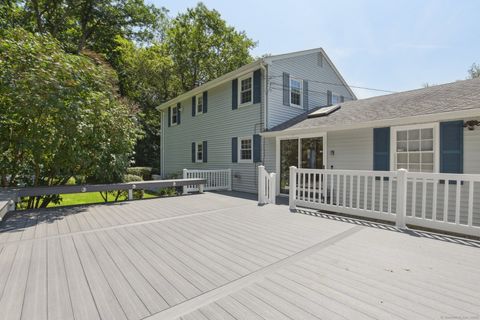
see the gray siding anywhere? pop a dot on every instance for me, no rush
(302, 67)
(353, 149)
(217, 126)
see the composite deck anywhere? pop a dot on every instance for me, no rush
(216, 256)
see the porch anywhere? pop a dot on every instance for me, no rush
(221, 256)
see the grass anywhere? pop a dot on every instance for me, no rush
(91, 197)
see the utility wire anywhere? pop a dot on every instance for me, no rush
(279, 87)
(341, 84)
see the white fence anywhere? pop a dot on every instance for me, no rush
(216, 179)
(449, 202)
(266, 186)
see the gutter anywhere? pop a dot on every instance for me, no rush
(377, 123)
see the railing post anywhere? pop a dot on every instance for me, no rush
(401, 211)
(272, 188)
(229, 179)
(11, 205)
(130, 194)
(185, 174)
(292, 188)
(201, 188)
(261, 185)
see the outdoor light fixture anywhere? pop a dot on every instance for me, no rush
(471, 124)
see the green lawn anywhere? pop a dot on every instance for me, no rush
(90, 197)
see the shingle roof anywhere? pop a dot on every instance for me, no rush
(455, 96)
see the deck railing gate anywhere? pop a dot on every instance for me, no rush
(266, 186)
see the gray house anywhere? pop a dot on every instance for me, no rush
(218, 125)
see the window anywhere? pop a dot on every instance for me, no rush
(415, 149)
(246, 90)
(173, 115)
(245, 150)
(295, 92)
(336, 99)
(199, 103)
(199, 152)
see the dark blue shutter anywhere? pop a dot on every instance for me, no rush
(305, 95)
(205, 102)
(169, 116)
(381, 149)
(194, 156)
(194, 104)
(234, 149)
(257, 148)
(451, 147)
(286, 89)
(178, 112)
(257, 86)
(205, 151)
(234, 94)
(329, 98)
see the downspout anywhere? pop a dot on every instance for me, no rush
(265, 106)
(265, 95)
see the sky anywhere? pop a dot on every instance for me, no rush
(394, 45)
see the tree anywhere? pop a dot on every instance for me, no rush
(147, 77)
(61, 115)
(474, 71)
(203, 47)
(91, 24)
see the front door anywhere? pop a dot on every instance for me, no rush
(302, 153)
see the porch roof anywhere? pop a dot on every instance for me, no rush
(452, 100)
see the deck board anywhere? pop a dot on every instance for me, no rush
(219, 256)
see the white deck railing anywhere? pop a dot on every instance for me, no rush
(449, 202)
(216, 179)
(266, 186)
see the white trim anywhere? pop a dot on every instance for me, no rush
(239, 150)
(290, 78)
(239, 90)
(299, 162)
(455, 115)
(196, 103)
(196, 152)
(436, 142)
(171, 116)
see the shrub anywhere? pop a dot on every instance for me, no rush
(144, 172)
(137, 194)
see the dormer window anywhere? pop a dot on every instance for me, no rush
(296, 92)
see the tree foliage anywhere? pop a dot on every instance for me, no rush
(474, 71)
(61, 115)
(65, 112)
(203, 47)
(91, 24)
